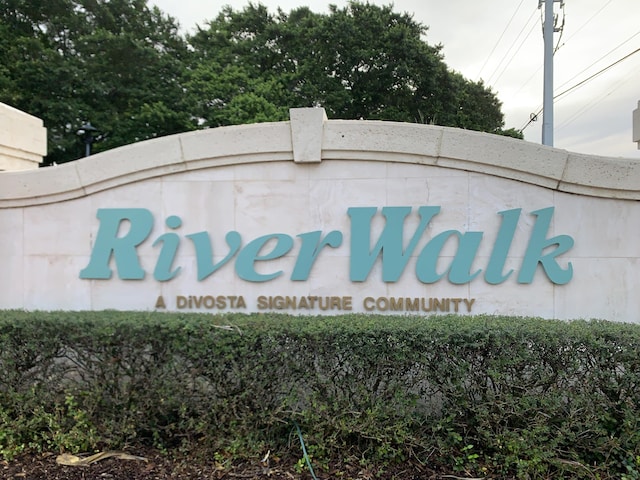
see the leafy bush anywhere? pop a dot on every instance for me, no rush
(481, 395)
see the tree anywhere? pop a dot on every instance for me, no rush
(361, 61)
(116, 63)
(124, 66)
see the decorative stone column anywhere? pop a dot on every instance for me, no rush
(23, 140)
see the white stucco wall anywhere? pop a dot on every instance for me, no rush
(302, 176)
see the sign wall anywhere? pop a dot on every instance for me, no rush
(313, 216)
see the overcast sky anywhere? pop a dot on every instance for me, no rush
(501, 43)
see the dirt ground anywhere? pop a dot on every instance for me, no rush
(160, 467)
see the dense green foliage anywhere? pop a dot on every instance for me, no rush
(362, 61)
(127, 69)
(115, 63)
(493, 396)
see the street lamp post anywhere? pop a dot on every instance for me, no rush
(88, 135)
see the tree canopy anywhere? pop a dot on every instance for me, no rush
(116, 63)
(125, 66)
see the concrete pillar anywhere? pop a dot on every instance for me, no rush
(23, 140)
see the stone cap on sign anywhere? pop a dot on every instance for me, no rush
(23, 140)
(307, 125)
(310, 138)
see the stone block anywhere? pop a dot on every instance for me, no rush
(307, 125)
(23, 140)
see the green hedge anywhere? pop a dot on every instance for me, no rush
(480, 395)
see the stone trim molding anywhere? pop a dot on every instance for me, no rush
(309, 137)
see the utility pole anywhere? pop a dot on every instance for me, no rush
(636, 125)
(549, 28)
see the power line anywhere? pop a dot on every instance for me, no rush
(601, 58)
(592, 104)
(514, 54)
(528, 80)
(586, 23)
(533, 117)
(579, 84)
(500, 38)
(511, 47)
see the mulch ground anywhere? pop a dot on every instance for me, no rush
(160, 467)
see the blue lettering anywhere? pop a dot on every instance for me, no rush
(204, 252)
(170, 243)
(538, 243)
(245, 263)
(493, 274)
(115, 241)
(311, 246)
(390, 242)
(123, 248)
(461, 264)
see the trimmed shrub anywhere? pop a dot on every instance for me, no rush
(481, 395)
